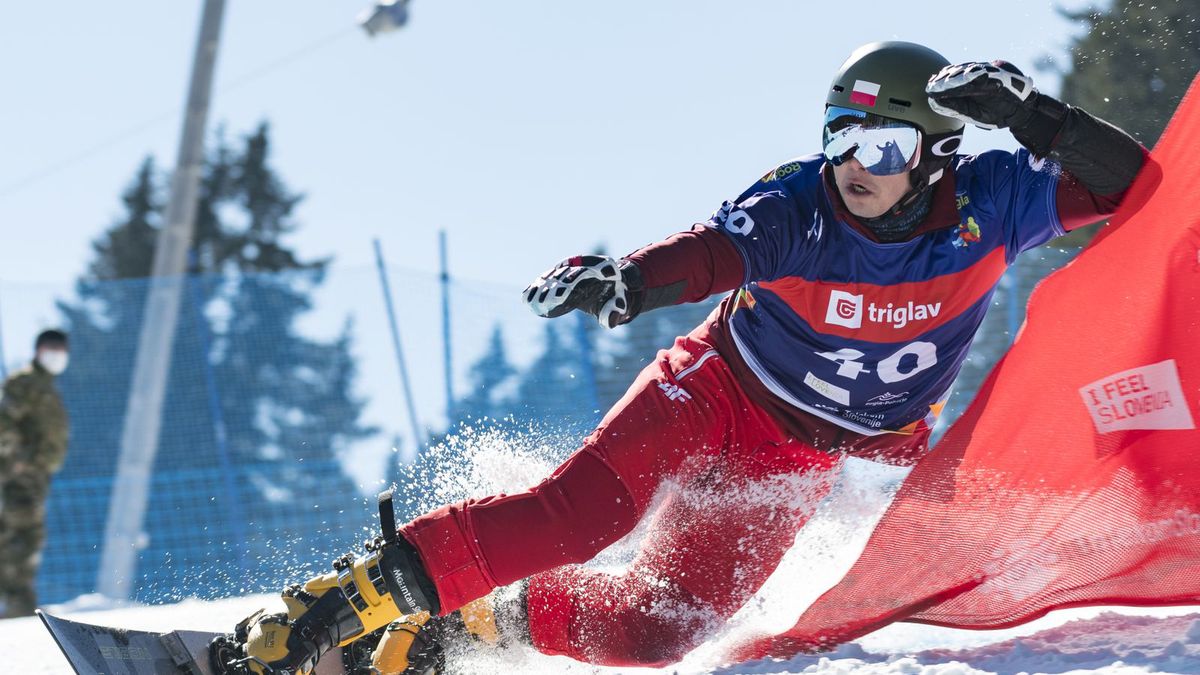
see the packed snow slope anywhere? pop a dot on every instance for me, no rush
(1109, 643)
(1083, 640)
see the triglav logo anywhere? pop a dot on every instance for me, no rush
(900, 316)
(845, 309)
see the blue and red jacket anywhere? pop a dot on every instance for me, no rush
(848, 341)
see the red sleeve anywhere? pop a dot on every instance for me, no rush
(702, 258)
(1078, 206)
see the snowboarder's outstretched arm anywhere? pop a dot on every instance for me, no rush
(1102, 159)
(686, 267)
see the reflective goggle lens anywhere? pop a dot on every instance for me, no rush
(884, 146)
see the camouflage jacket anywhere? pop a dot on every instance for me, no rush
(33, 423)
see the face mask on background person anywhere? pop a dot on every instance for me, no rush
(53, 360)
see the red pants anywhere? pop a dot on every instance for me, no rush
(732, 510)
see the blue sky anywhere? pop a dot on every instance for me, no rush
(528, 130)
(535, 128)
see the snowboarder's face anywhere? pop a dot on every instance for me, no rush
(865, 194)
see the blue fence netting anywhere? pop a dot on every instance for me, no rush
(285, 413)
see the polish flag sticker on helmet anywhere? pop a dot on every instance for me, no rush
(864, 93)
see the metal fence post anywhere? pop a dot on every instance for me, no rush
(391, 311)
(447, 352)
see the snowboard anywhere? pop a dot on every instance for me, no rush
(105, 650)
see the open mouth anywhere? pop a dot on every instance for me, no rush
(859, 189)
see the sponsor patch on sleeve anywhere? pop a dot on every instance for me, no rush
(781, 172)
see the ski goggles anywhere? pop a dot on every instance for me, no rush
(884, 146)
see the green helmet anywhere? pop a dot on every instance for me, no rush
(888, 79)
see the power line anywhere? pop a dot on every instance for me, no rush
(287, 59)
(56, 167)
(172, 114)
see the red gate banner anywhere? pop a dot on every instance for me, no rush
(1074, 476)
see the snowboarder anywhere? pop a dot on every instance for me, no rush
(859, 277)
(33, 445)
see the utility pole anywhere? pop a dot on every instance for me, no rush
(143, 413)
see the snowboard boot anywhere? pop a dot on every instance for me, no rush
(416, 644)
(357, 600)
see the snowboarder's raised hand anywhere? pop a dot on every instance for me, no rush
(357, 598)
(599, 285)
(998, 95)
(994, 95)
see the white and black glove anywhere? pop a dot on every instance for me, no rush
(994, 95)
(596, 284)
(998, 95)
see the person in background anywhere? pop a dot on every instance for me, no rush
(33, 444)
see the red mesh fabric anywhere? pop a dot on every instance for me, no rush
(1074, 476)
